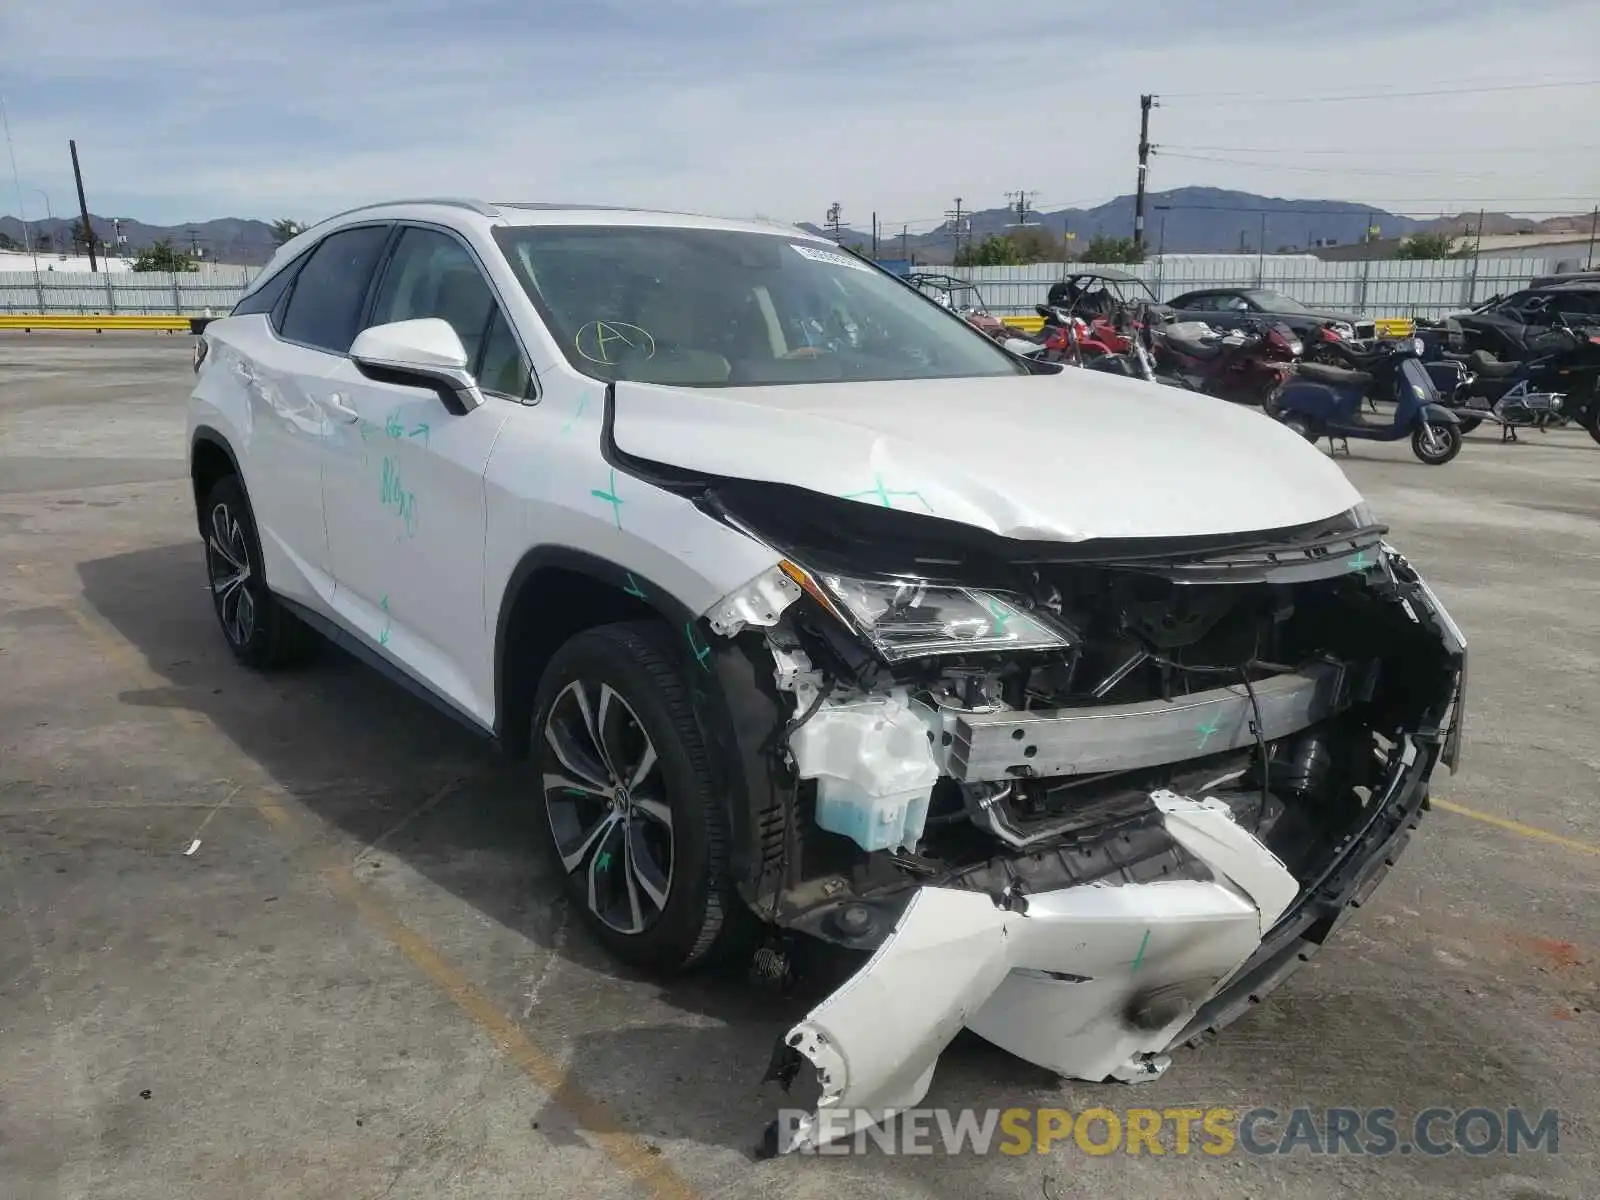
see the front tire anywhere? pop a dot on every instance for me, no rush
(1436, 444)
(259, 630)
(636, 831)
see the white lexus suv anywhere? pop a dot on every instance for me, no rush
(1083, 709)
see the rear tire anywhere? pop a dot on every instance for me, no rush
(259, 629)
(634, 826)
(1436, 444)
(1269, 402)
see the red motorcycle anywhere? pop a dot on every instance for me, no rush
(1248, 365)
(1071, 339)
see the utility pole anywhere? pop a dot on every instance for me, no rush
(957, 221)
(1020, 201)
(1472, 282)
(905, 245)
(1594, 220)
(874, 236)
(1261, 251)
(834, 212)
(1146, 103)
(83, 206)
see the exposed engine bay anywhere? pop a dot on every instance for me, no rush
(1087, 801)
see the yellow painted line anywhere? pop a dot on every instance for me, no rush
(1516, 827)
(95, 321)
(633, 1154)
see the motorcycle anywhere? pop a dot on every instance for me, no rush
(1137, 361)
(1557, 384)
(1250, 364)
(1066, 338)
(1326, 402)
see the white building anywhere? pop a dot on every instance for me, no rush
(51, 260)
(1562, 251)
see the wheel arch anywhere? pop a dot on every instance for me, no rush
(553, 593)
(211, 458)
(556, 592)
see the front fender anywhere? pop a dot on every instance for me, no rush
(1436, 414)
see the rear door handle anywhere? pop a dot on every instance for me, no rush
(341, 410)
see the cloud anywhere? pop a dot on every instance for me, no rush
(185, 110)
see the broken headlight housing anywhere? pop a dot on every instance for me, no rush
(908, 618)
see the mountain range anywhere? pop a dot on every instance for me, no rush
(225, 240)
(1189, 219)
(1202, 220)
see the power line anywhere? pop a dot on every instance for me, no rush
(1280, 166)
(1409, 152)
(1362, 210)
(1279, 98)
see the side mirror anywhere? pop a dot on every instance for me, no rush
(424, 353)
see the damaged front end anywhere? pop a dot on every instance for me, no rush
(1089, 800)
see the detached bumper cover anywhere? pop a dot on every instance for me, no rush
(1092, 982)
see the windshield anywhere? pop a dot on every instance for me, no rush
(1277, 302)
(726, 308)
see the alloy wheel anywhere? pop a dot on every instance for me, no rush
(607, 805)
(228, 564)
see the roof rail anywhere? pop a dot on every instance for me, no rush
(477, 206)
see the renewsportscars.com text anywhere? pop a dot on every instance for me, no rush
(1212, 1132)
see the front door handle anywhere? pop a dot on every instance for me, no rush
(341, 410)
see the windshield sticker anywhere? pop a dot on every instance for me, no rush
(829, 256)
(602, 341)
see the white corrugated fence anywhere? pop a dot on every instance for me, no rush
(1373, 288)
(1376, 288)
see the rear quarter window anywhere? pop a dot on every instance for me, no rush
(264, 298)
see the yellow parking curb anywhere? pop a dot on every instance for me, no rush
(98, 322)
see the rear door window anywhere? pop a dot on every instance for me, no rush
(325, 302)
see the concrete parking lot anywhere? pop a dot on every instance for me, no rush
(288, 936)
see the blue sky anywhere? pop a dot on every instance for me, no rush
(189, 109)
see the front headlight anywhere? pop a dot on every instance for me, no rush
(906, 618)
(1417, 347)
(1296, 348)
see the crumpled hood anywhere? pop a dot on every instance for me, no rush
(1065, 457)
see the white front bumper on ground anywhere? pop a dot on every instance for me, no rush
(1093, 982)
